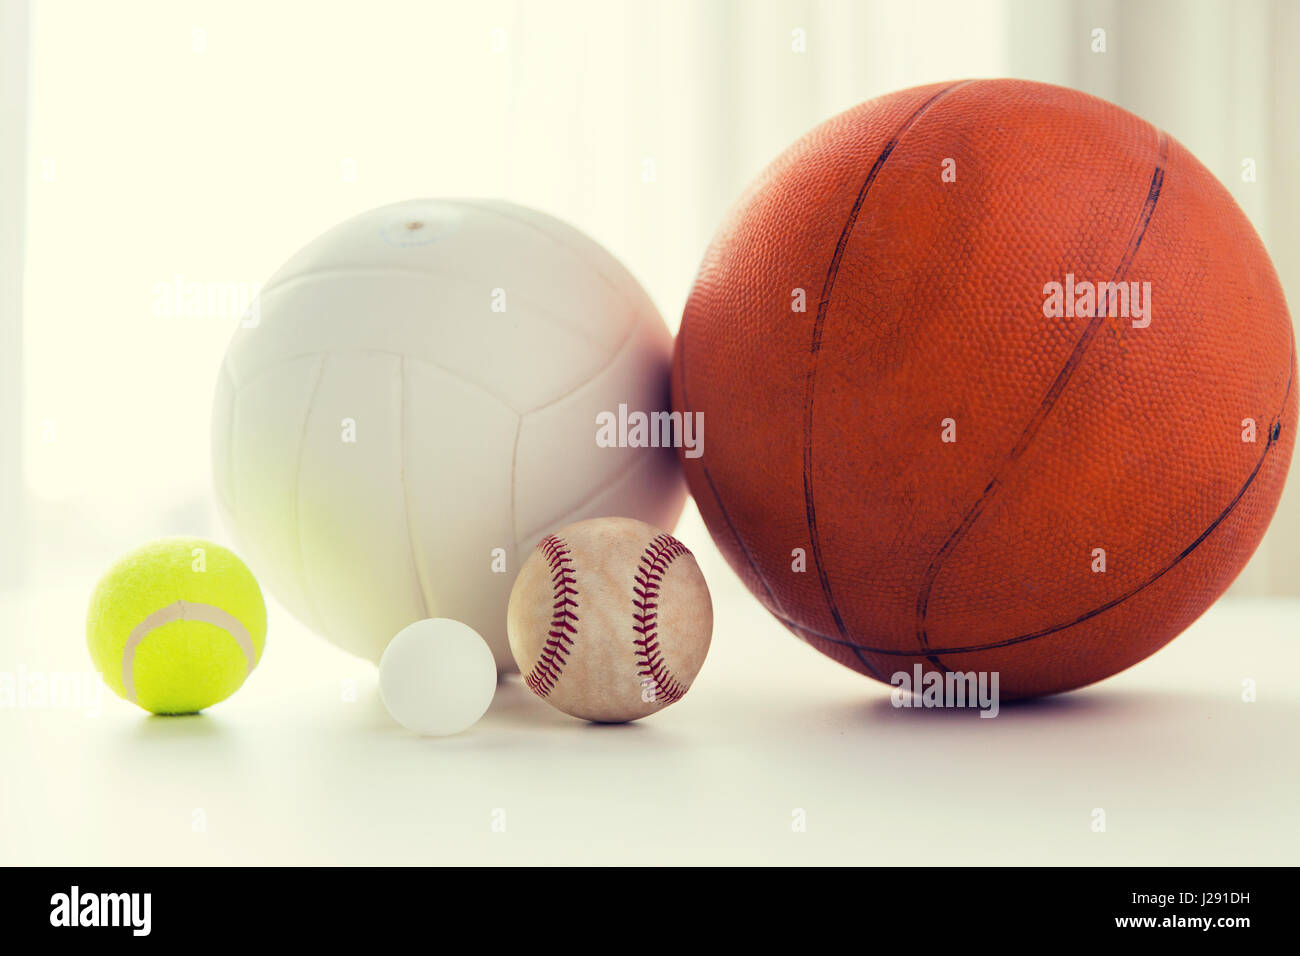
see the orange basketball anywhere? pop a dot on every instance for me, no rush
(995, 376)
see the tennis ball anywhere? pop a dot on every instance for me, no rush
(176, 625)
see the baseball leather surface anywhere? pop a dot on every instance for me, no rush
(610, 619)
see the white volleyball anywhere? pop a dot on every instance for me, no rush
(412, 404)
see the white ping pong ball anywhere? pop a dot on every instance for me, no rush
(437, 677)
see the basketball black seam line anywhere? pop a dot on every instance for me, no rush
(819, 322)
(1274, 435)
(1045, 405)
(717, 498)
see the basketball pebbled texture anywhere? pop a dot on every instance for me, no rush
(925, 303)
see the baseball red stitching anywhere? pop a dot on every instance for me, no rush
(563, 618)
(650, 575)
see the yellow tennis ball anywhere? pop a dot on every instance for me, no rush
(176, 625)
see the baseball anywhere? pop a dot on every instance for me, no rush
(610, 619)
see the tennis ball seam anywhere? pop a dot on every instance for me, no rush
(184, 611)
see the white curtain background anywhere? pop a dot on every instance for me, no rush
(13, 184)
(209, 140)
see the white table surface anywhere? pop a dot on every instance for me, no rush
(303, 765)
